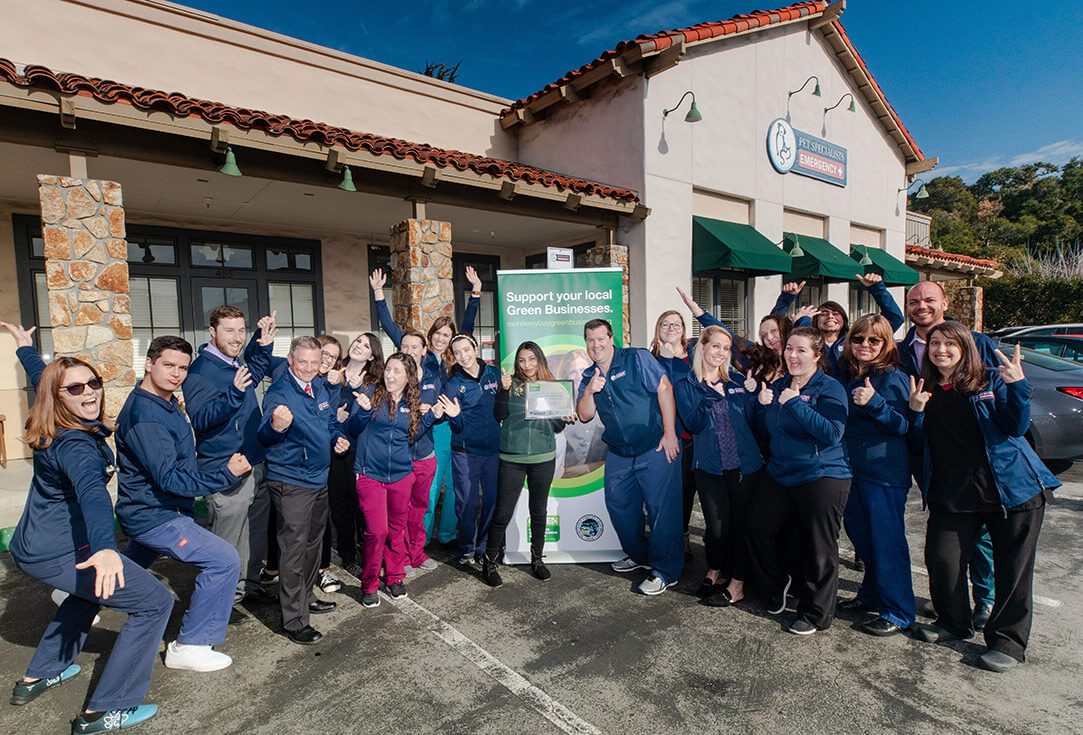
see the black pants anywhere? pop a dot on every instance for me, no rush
(818, 508)
(688, 482)
(949, 543)
(272, 538)
(345, 517)
(509, 484)
(302, 516)
(724, 499)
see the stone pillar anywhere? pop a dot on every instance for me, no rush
(603, 255)
(421, 272)
(966, 303)
(86, 269)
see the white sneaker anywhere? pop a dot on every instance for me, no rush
(653, 585)
(626, 565)
(411, 572)
(58, 597)
(195, 658)
(329, 582)
(428, 565)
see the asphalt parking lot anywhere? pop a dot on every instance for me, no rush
(581, 654)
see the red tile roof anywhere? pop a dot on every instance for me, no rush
(919, 252)
(216, 113)
(655, 42)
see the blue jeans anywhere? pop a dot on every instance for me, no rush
(876, 523)
(449, 524)
(475, 485)
(126, 676)
(219, 566)
(648, 479)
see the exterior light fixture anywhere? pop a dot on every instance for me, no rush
(865, 259)
(693, 115)
(796, 251)
(921, 193)
(229, 168)
(815, 92)
(347, 180)
(851, 107)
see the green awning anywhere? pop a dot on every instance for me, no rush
(718, 244)
(821, 259)
(895, 272)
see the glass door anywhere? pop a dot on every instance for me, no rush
(210, 293)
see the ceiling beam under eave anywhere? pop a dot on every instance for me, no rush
(667, 59)
(920, 167)
(831, 12)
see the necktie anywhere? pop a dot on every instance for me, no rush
(308, 389)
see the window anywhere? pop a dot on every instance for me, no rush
(811, 295)
(485, 325)
(176, 277)
(723, 294)
(861, 303)
(380, 257)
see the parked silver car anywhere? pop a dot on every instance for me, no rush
(1056, 412)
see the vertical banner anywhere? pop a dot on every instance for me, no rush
(550, 307)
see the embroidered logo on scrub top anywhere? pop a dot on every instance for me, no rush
(806, 398)
(490, 386)
(617, 376)
(324, 406)
(987, 396)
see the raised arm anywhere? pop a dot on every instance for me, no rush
(470, 315)
(377, 281)
(25, 351)
(874, 282)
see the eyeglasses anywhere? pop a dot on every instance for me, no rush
(671, 325)
(859, 339)
(76, 389)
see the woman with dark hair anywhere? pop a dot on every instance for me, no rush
(66, 539)
(527, 452)
(475, 451)
(714, 403)
(387, 417)
(438, 359)
(363, 365)
(803, 416)
(880, 460)
(978, 469)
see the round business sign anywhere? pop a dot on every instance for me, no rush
(781, 145)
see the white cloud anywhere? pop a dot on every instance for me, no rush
(642, 17)
(1058, 153)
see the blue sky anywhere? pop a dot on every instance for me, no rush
(979, 84)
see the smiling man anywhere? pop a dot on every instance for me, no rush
(630, 391)
(157, 487)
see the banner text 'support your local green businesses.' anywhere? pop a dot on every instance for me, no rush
(550, 307)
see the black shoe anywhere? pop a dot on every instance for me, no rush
(489, 574)
(259, 596)
(859, 563)
(997, 661)
(980, 617)
(236, 617)
(396, 591)
(538, 567)
(706, 588)
(306, 636)
(927, 610)
(801, 627)
(26, 692)
(317, 607)
(881, 627)
(855, 605)
(777, 602)
(934, 634)
(353, 569)
(719, 597)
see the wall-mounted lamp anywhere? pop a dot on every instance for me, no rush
(865, 259)
(229, 168)
(347, 180)
(851, 108)
(815, 92)
(921, 193)
(693, 115)
(796, 251)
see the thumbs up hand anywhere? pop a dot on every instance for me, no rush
(864, 393)
(788, 394)
(766, 395)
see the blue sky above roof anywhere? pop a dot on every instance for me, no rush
(980, 85)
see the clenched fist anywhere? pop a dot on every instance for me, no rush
(238, 465)
(282, 418)
(342, 446)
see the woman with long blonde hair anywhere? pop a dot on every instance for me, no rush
(66, 539)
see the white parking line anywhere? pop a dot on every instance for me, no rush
(546, 706)
(1047, 601)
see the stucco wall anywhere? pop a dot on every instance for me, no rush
(168, 47)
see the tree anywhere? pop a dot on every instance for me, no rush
(443, 72)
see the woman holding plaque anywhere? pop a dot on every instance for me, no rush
(527, 452)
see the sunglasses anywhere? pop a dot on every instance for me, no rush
(859, 339)
(76, 389)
